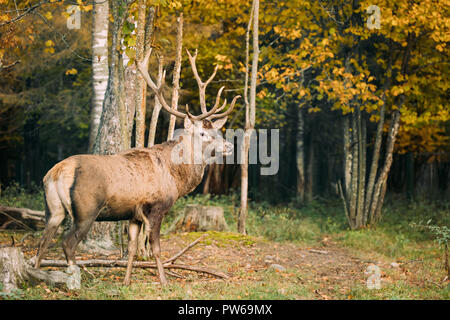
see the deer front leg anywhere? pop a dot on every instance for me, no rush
(133, 232)
(155, 227)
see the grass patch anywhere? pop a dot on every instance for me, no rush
(263, 285)
(221, 239)
(401, 290)
(16, 196)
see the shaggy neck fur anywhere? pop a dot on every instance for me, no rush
(187, 176)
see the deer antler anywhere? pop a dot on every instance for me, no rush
(213, 110)
(157, 89)
(201, 85)
(226, 113)
(202, 88)
(211, 114)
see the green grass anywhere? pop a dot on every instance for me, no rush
(401, 290)
(222, 239)
(15, 196)
(265, 285)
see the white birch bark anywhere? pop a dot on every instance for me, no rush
(157, 106)
(99, 65)
(176, 75)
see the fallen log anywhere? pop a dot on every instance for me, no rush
(27, 218)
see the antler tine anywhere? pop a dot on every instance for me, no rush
(147, 57)
(188, 113)
(223, 106)
(213, 110)
(142, 66)
(226, 113)
(201, 85)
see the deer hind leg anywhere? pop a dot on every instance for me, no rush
(80, 228)
(54, 215)
(133, 233)
(155, 227)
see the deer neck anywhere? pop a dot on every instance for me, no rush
(187, 175)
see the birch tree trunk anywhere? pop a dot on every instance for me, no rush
(381, 185)
(347, 153)
(99, 64)
(250, 112)
(374, 166)
(360, 133)
(363, 201)
(176, 76)
(157, 106)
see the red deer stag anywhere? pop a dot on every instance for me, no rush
(139, 185)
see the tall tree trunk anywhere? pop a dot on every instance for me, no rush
(374, 165)
(113, 134)
(381, 185)
(244, 184)
(157, 106)
(361, 168)
(250, 111)
(300, 155)
(208, 179)
(130, 99)
(99, 64)
(141, 86)
(353, 191)
(309, 169)
(347, 153)
(144, 38)
(345, 188)
(176, 75)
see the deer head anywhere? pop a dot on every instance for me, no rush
(202, 130)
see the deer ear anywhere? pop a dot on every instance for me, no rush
(218, 124)
(188, 123)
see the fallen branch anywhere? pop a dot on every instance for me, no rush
(12, 219)
(318, 251)
(179, 254)
(197, 269)
(27, 213)
(25, 217)
(136, 264)
(174, 274)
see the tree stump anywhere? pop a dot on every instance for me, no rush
(200, 218)
(14, 271)
(12, 268)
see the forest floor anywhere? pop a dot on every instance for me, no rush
(320, 257)
(258, 268)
